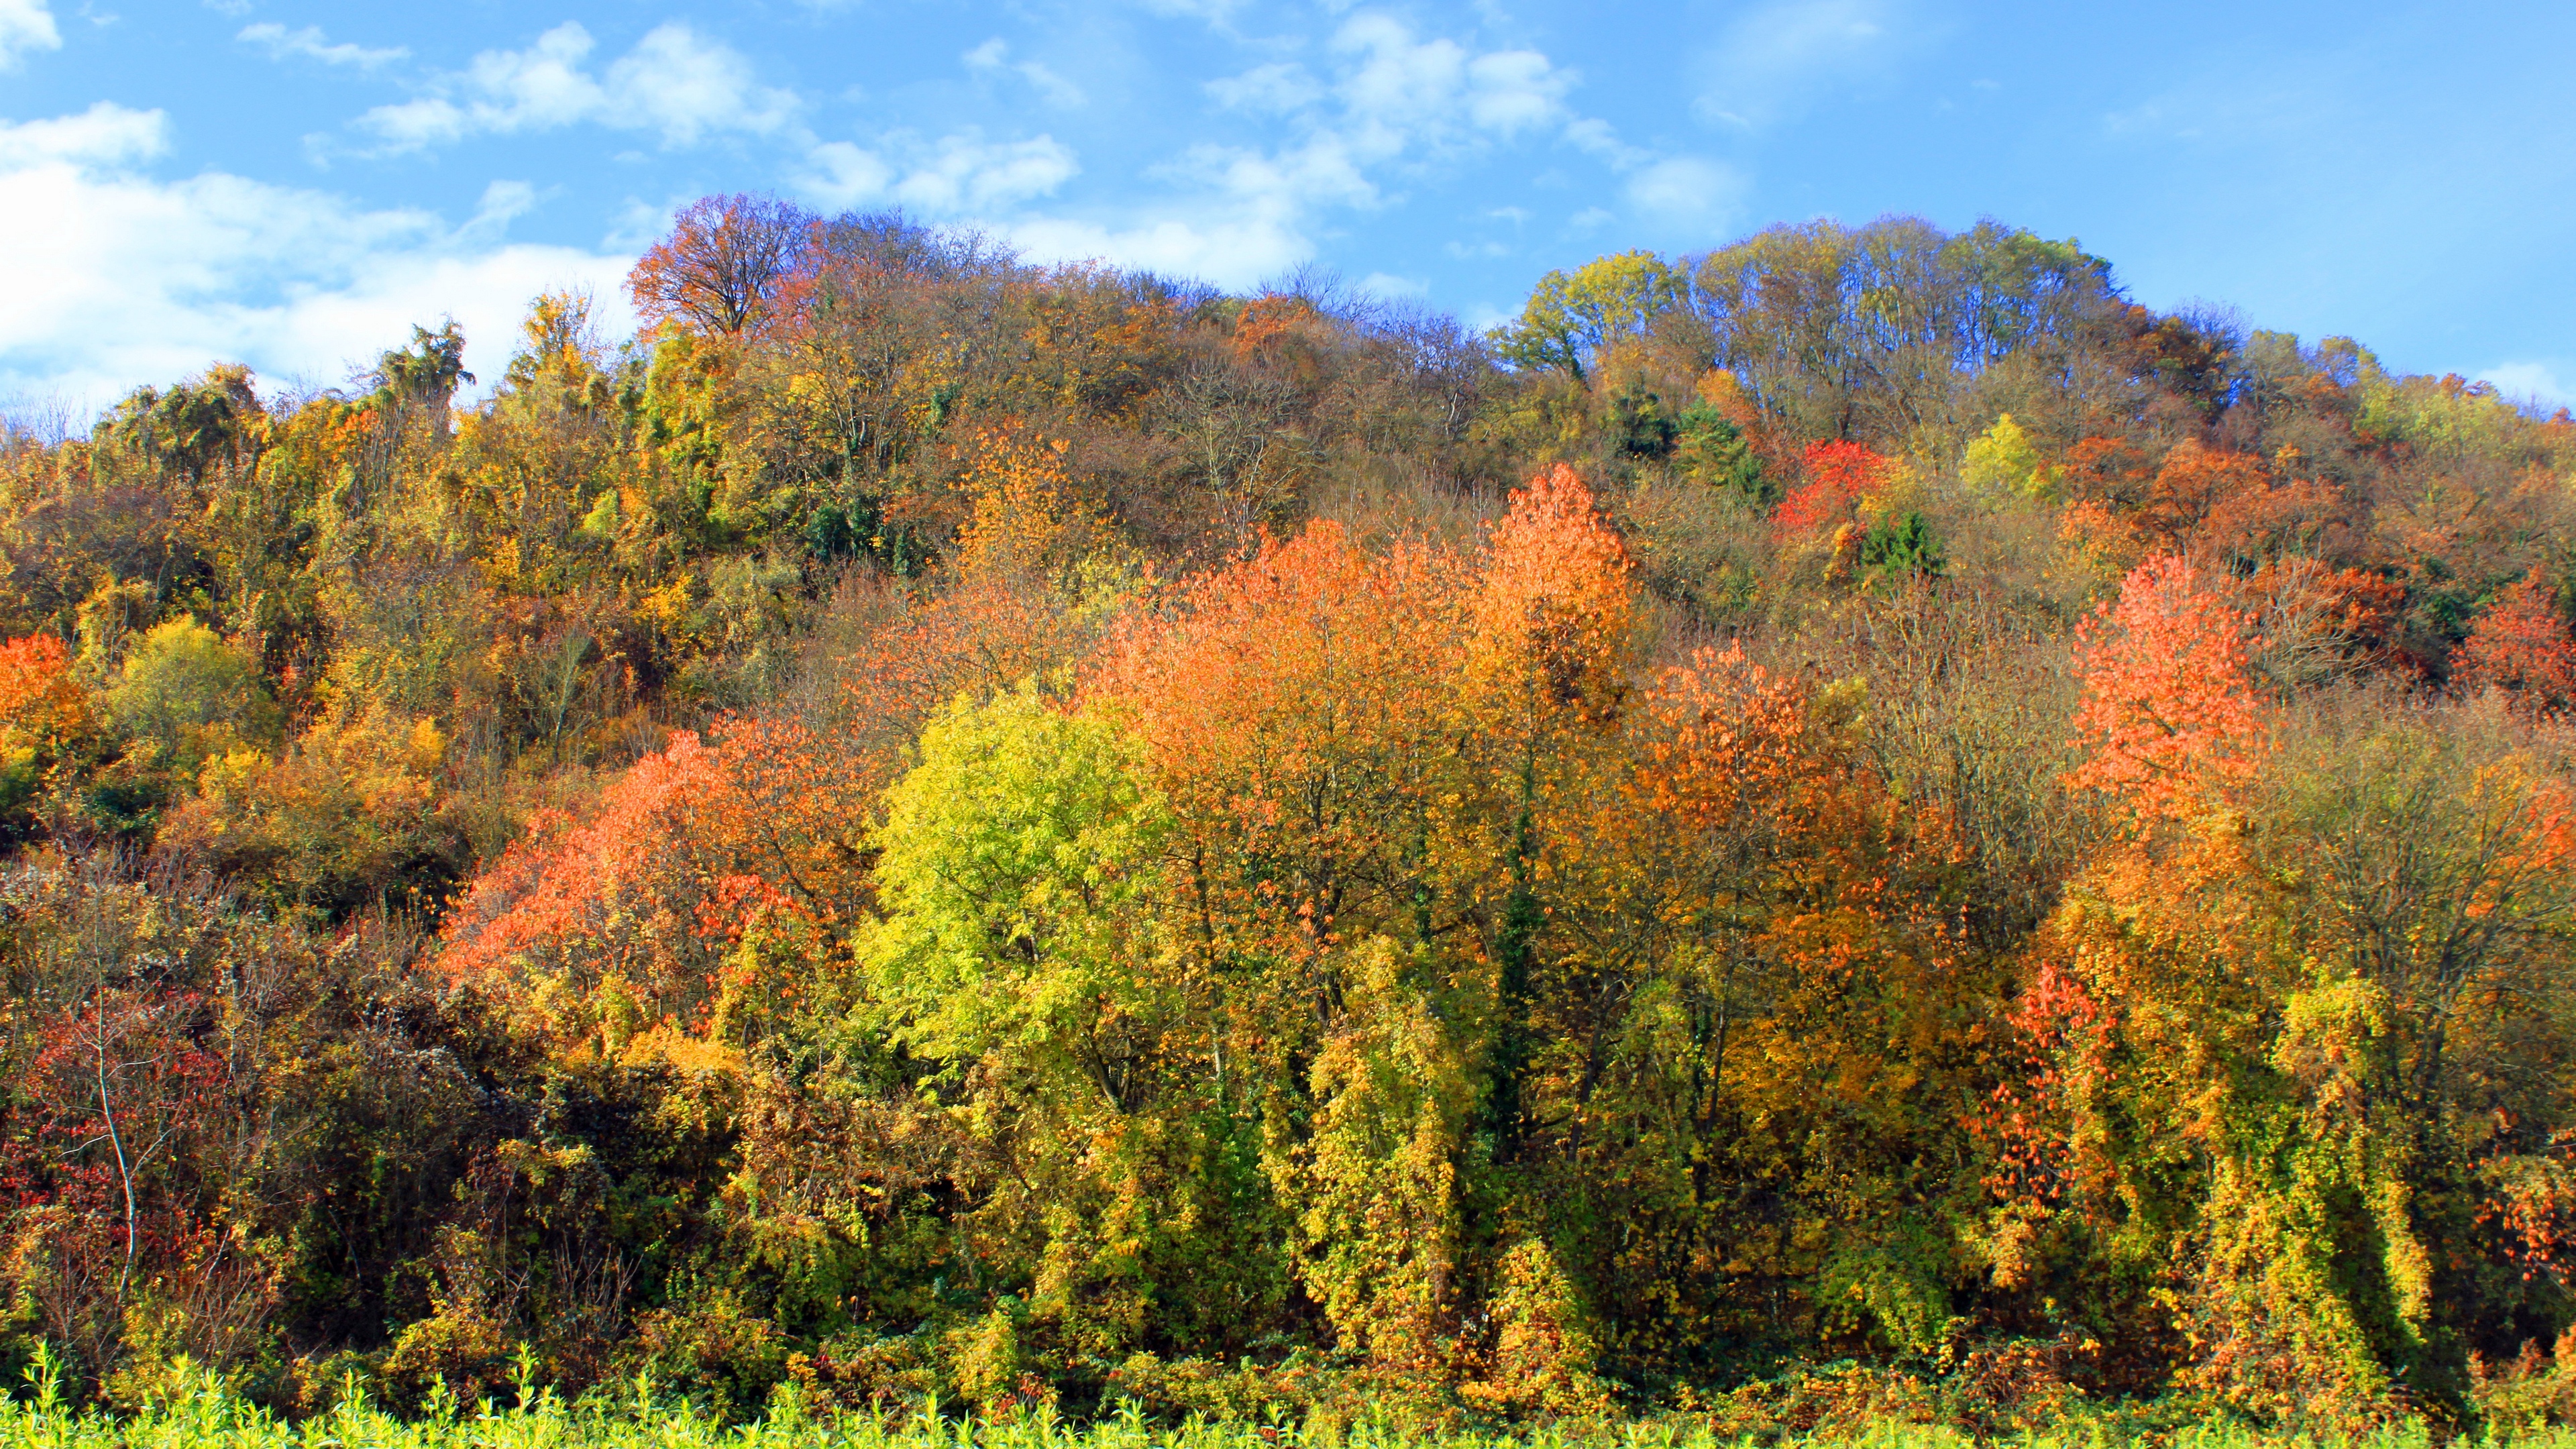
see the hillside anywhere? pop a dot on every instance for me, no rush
(937, 827)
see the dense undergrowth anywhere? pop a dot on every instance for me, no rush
(933, 830)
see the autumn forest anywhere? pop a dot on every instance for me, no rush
(1856, 818)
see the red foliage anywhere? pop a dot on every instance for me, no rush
(1838, 474)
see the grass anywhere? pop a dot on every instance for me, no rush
(211, 1416)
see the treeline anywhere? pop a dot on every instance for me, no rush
(930, 826)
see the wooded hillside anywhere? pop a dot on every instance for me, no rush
(931, 825)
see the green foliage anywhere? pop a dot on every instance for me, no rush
(1013, 861)
(1714, 452)
(183, 688)
(1571, 317)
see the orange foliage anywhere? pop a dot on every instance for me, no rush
(1266, 320)
(1026, 523)
(2170, 713)
(2299, 603)
(2193, 482)
(1549, 619)
(41, 706)
(2521, 645)
(575, 884)
(2108, 469)
(720, 264)
(1285, 703)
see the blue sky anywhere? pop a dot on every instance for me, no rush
(293, 184)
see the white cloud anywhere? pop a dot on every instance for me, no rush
(1386, 286)
(106, 134)
(1400, 91)
(1688, 190)
(1284, 185)
(1230, 253)
(993, 57)
(958, 175)
(1767, 57)
(1392, 102)
(310, 43)
(674, 81)
(139, 280)
(2540, 382)
(26, 25)
(1276, 89)
(966, 173)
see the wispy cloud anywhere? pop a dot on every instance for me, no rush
(310, 43)
(1766, 62)
(958, 175)
(993, 57)
(2547, 383)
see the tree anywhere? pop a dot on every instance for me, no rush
(426, 373)
(2170, 714)
(2521, 645)
(1016, 861)
(2004, 463)
(1839, 475)
(1570, 318)
(723, 259)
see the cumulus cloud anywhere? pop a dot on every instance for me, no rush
(959, 175)
(26, 25)
(1398, 90)
(675, 81)
(138, 280)
(311, 44)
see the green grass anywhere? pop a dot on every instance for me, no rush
(210, 1416)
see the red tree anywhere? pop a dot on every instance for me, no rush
(1837, 475)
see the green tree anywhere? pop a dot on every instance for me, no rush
(1570, 317)
(185, 688)
(1018, 864)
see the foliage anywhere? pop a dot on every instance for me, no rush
(1850, 830)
